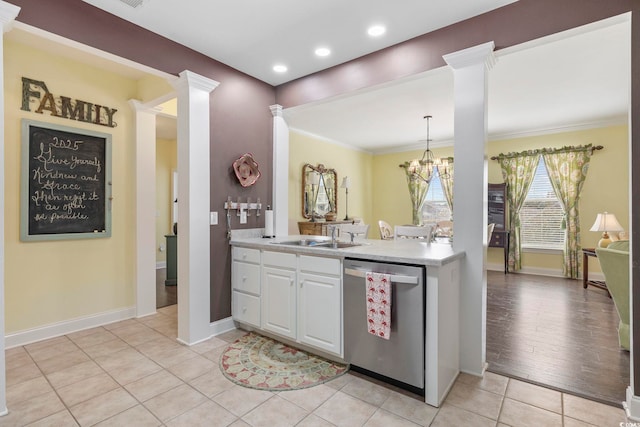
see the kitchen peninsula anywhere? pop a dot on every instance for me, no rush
(296, 289)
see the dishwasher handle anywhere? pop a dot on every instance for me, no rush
(410, 280)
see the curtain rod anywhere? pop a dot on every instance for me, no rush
(595, 147)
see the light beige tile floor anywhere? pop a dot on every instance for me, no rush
(135, 373)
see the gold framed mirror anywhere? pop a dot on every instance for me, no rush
(319, 192)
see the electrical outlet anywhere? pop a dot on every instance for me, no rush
(161, 248)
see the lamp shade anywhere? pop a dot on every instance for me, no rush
(346, 182)
(606, 222)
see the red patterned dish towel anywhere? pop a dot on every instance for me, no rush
(379, 304)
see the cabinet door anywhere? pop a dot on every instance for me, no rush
(279, 301)
(319, 312)
(497, 205)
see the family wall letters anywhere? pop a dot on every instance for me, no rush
(64, 106)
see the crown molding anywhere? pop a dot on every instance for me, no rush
(330, 141)
(616, 121)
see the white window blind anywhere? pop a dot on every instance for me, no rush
(435, 208)
(541, 215)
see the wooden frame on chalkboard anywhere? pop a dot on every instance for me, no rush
(65, 188)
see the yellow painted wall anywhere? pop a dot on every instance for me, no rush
(166, 164)
(391, 201)
(54, 281)
(606, 187)
(347, 162)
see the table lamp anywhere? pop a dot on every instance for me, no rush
(606, 222)
(346, 183)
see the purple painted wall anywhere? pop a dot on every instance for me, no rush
(240, 117)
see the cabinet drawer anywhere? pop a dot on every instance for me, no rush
(246, 277)
(246, 254)
(320, 265)
(246, 308)
(279, 259)
(497, 240)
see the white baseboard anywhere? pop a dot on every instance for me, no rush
(161, 264)
(631, 407)
(221, 326)
(40, 333)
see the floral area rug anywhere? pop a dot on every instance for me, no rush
(259, 362)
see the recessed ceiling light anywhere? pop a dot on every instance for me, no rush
(376, 30)
(323, 51)
(279, 68)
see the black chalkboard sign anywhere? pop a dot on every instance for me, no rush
(66, 180)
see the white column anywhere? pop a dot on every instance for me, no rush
(280, 202)
(470, 67)
(145, 122)
(8, 13)
(194, 312)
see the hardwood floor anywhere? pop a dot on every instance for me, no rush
(552, 332)
(165, 295)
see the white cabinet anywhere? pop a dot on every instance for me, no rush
(279, 293)
(245, 283)
(320, 303)
(298, 297)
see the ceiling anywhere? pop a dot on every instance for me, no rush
(252, 36)
(574, 80)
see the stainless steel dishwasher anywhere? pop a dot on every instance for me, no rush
(400, 359)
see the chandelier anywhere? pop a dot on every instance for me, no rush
(424, 169)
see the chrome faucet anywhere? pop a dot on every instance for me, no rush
(334, 241)
(352, 234)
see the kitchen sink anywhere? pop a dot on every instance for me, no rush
(318, 243)
(305, 242)
(340, 245)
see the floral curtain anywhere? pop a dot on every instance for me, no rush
(567, 168)
(447, 185)
(518, 170)
(417, 191)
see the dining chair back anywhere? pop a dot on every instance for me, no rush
(413, 232)
(386, 232)
(444, 228)
(354, 230)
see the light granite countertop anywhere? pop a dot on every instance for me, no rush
(395, 251)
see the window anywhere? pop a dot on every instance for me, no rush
(541, 215)
(435, 208)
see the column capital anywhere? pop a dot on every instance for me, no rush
(8, 13)
(474, 55)
(140, 107)
(191, 79)
(276, 110)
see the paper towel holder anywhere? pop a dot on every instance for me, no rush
(268, 228)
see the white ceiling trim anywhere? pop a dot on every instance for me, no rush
(329, 140)
(59, 45)
(618, 121)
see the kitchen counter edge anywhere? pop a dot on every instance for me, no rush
(396, 251)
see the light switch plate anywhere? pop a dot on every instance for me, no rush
(213, 218)
(243, 217)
